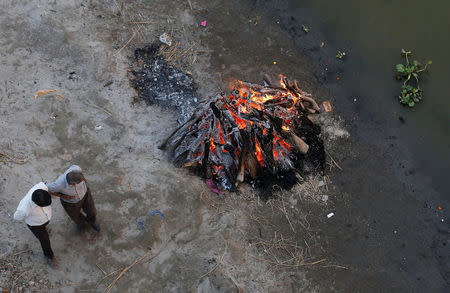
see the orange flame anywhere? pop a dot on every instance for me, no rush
(222, 141)
(212, 146)
(258, 153)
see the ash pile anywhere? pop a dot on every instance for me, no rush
(157, 82)
(260, 134)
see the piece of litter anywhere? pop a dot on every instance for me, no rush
(324, 197)
(354, 100)
(275, 62)
(330, 215)
(322, 44)
(157, 212)
(98, 127)
(43, 92)
(203, 23)
(327, 106)
(321, 183)
(439, 208)
(213, 187)
(53, 117)
(141, 222)
(166, 39)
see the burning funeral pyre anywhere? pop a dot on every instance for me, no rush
(254, 132)
(261, 134)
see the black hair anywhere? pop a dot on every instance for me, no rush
(41, 197)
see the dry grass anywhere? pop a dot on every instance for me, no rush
(5, 158)
(279, 235)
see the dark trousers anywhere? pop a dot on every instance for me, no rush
(41, 233)
(74, 209)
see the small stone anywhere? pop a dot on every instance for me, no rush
(166, 39)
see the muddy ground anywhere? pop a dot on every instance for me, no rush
(206, 243)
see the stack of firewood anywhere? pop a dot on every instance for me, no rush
(253, 130)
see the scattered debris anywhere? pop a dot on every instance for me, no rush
(165, 39)
(330, 215)
(213, 187)
(327, 106)
(305, 28)
(340, 55)
(158, 212)
(73, 75)
(139, 221)
(45, 92)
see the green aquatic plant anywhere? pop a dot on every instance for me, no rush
(340, 55)
(409, 73)
(305, 28)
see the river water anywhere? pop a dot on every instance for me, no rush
(373, 33)
(393, 231)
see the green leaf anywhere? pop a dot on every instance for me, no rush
(411, 103)
(400, 68)
(430, 62)
(405, 52)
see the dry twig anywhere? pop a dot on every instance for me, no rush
(126, 44)
(123, 272)
(217, 264)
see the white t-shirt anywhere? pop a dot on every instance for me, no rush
(33, 214)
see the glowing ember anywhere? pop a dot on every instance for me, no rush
(258, 153)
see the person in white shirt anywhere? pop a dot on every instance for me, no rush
(35, 208)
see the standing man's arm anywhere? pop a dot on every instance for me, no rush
(65, 196)
(56, 186)
(22, 211)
